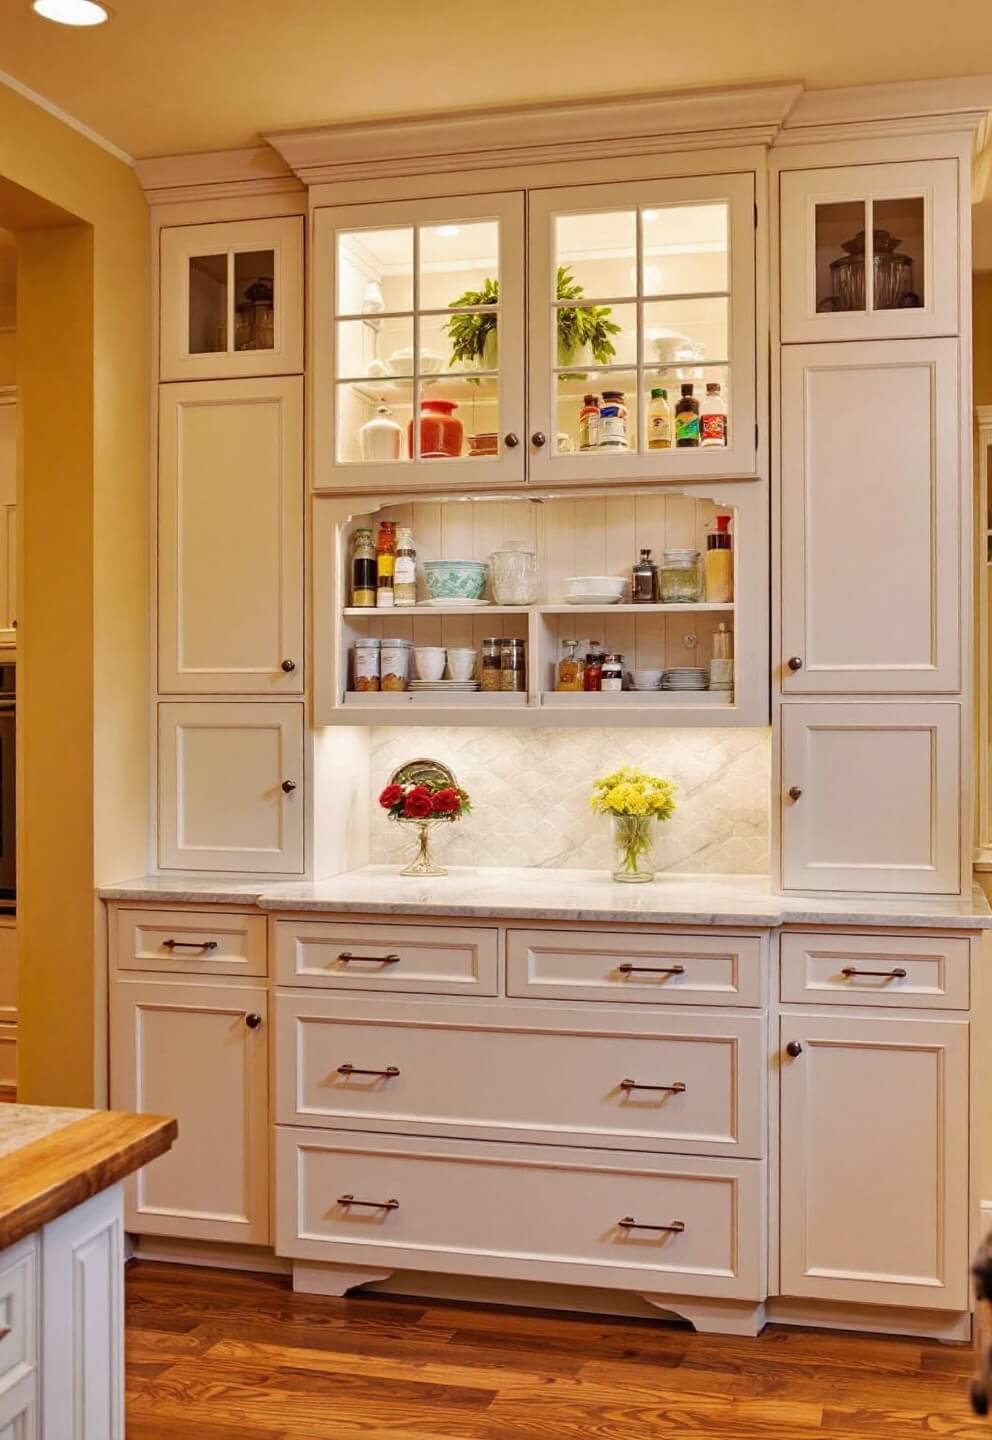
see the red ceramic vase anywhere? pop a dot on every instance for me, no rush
(441, 434)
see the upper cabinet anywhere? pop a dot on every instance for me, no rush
(870, 251)
(232, 299)
(630, 307)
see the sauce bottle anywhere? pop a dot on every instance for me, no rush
(687, 419)
(713, 418)
(592, 677)
(385, 564)
(363, 570)
(589, 423)
(718, 566)
(659, 421)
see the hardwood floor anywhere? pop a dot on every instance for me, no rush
(217, 1355)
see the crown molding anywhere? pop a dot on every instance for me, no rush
(961, 96)
(58, 113)
(215, 175)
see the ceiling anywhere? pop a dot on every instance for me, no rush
(174, 76)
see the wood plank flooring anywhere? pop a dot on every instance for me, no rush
(218, 1355)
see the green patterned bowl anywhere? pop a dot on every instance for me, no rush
(455, 579)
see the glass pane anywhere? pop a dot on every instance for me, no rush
(840, 255)
(596, 411)
(596, 254)
(372, 421)
(463, 341)
(207, 304)
(684, 332)
(254, 300)
(665, 421)
(375, 271)
(449, 412)
(596, 335)
(376, 348)
(685, 249)
(459, 264)
(898, 239)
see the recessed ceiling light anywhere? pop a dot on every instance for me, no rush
(445, 232)
(81, 13)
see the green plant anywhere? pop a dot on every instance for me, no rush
(468, 333)
(578, 325)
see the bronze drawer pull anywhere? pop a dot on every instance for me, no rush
(677, 1089)
(627, 969)
(629, 1223)
(189, 944)
(347, 958)
(849, 972)
(390, 1072)
(369, 1204)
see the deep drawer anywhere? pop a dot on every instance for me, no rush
(523, 1212)
(191, 942)
(554, 1074)
(668, 969)
(902, 971)
(355, 955)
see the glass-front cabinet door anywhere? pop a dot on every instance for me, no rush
(419, 353)
(641, 334)
(869, 251)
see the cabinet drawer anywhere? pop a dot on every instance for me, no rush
(549, 1074)
(191, 942)
(18, 1313)
(521, 1212)
(352, 955)
(669, 969)
(904, 971)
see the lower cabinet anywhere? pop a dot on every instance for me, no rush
(199, 1052)
(874, 1160)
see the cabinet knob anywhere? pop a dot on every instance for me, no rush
(795, 662)
(794, 1048)
(511, 441)
(794, 792)
(289, 666)
(289, 786)
(538, 439)
(253, 1021)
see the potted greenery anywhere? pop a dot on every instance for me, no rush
(584, 331)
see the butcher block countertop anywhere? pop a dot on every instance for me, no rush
(52, 1159)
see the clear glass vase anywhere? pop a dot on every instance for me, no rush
(633, 838)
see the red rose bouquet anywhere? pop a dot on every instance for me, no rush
(425, 802)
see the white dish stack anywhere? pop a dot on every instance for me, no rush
(685, 677)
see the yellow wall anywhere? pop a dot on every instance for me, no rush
(7, 357)
(981, 317)
(83, 636)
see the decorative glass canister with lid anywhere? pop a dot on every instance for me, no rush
(515, 574)
(679, 578)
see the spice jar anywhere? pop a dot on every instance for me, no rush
(405, 571)
(394, 664)
(612, 672)
(489, 672)
(513, 665)
(385, 563)
(592, 676)
(570, 668)
(365, 664)
(363, 570)
(679, 577)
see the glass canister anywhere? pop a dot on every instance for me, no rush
(678, 577)
(489, 669)
(515, 574)
(365, 664)
(513, 665)
(394, 664)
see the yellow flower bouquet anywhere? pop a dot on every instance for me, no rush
(636, 800)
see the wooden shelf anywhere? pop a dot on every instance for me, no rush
(362, 612)
(697, 608)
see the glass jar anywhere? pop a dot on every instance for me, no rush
(489, 671)
(678, 577)
(405, 569)
(592, 676)
(514, 574)
(363, 570)
(394, 664)
(513, 665)
(570, 668)
(612, 674)
(365, 664)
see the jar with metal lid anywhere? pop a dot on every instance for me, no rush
(513, 665)
(612, 675)
(489, 670)
(592, 676)
(365, 664)
(679, 577)
(394, 664)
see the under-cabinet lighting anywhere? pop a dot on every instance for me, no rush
(446, 232)
(80, 13)
(649, 215)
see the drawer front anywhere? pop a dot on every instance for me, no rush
(690, 1084)
(661, 969)
(18, 1313)
(521, 1212)
(419, 959)
(899, 971)
(191, 942)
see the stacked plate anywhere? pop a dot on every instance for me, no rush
(685, 677)
(450, 687)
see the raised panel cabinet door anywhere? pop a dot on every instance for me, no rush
(874, 1160)
(870, 251)
(231, 787)
(231, 299)
(230, 537)
(871, 518)
(198, 1052)
(871, 798)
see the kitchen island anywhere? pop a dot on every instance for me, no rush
(62, 1266)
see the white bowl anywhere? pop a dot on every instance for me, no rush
(429, 661)
(597, 585)
(646, 679)
(401, 362)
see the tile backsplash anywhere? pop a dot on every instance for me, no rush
(530, 792)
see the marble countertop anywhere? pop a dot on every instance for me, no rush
(496, 892)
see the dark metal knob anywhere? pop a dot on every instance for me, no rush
(793, 1048)
(289, 666)
(795, 662)
(538, 439)
(511, 441)
(794, 792)
(253, 1021)
(289, 786)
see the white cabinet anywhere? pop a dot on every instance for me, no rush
(232, 299)
(874, 1160)
(199, 1052)
(230, 487)
(8, 518)
(871, 797)
(895, 222)
(231, 787)
(871, 518)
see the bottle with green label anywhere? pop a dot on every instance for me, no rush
(687, 419)
(659, 421)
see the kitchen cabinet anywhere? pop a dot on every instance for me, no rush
(871, 518)
(874, 1160)
(231, 787)
(897, 222)
(230, 505)
(231, 299)
(871, 797)
(197, 1051)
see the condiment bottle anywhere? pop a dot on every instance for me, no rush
(592, 675)
(644, 587)
(612, 672)
(713, 418)
(385, 564)
(613, 422)
(405, 574)
(589, 423)
(722, 664)
(687, 419)
(719, 563)
(363, 569)
(570, 668)
(659, 421)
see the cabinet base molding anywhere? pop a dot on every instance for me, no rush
(950, 1326)
(215, 1255)
(333, 1279)
(712, 1317)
